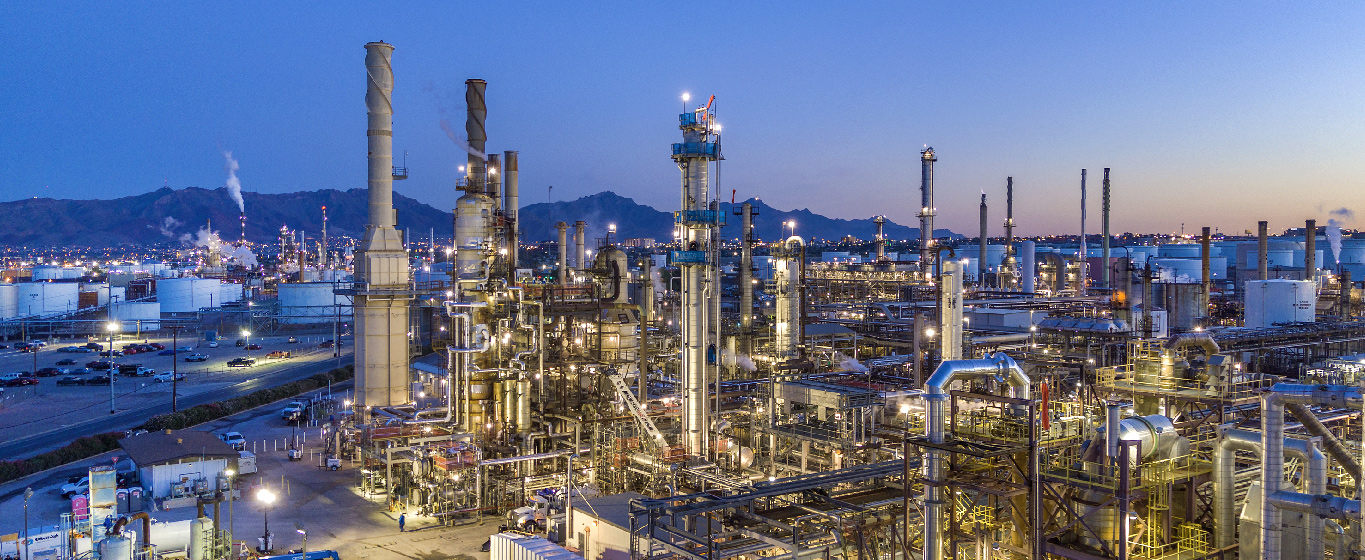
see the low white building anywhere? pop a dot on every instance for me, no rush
(175, 464)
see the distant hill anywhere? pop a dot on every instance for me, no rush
(165, 215)
(637, 220)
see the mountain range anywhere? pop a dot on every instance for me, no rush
(170, 215)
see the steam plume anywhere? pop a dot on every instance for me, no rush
(450, 131)
(847, 363)
(234, 185)
(168, 225)
(1334, 237)
(211, 241)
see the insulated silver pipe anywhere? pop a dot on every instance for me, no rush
(1272, 473)
(1111, 431)
(935, 462)
(1225, 468)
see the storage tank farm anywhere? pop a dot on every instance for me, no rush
(992, 397)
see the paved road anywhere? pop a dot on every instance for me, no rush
(126, 419)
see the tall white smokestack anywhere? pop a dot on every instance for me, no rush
(381, 303)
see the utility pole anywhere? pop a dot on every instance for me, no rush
(175, 368)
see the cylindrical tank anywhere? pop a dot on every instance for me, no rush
(47, 298)
(201, 539)
(136, 314)
(116, 548)
(1184, 303)
(9, 301)
(1179, 251)
(1027, 268)
(472, 215)
(229, 292)
(312, 302)
(187, 295)
(1279, 301)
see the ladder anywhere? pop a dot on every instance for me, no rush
(655, 436)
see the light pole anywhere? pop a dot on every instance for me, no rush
(232, 492)
(112, 327)
(175, 369)
(303, 532)
(246, 342)
(266, 497)
(28, 493)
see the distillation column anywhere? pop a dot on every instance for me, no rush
(1104, 225)
(700, 147)
(881, 237)
(981, 247)
(746, 278)
(788, 325)
(926, 212)
(381, 301)
(950, 309)
(1009, 265)
(474, 210)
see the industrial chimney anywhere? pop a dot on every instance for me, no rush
(381, 300)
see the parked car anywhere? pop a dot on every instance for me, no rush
(241, 362)
(84, 350)
(21, 381)
(253, 346)
(166, 353)
(166, 376)
(241, 342)
(100, 365)
(94, 346)
(235, 439)
(185, 349)
(38, 343)
(4, 346)
(196, 358)
(292, 411)
(98, 380)
(81, 486)
(70, 380)
(69, 349)
(213, 344)
(115, 353)
(279, 354)
(293, 340)
(66, 362)
(327, 344)
(80, 371)
(157, 346)
(47, 372)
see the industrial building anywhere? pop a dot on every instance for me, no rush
(1070, 397)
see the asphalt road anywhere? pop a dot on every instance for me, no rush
(126, 419)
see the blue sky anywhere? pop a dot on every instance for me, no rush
(1209, 113)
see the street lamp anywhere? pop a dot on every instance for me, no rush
(232, 492)
(303, 532)
(266, 498)
(246, 342)
(28, 493)
(112, 327)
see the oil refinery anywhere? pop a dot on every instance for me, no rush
(721, 396)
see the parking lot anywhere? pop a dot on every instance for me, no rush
(328, 504)
(31, 409)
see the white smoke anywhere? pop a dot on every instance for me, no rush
(847, 363)
(169, 224)
(234, 185)
(450, 131)
(210, 240)
(656, 278)
(737, 360)
(1334, 238)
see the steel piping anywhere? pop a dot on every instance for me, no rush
(1224, 469)
(935, 425)
(1272, 473)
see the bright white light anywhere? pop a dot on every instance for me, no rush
(421, 394)
(112, 327)
(905, 408)
(928, 332)
(687, 96)
(266, 496)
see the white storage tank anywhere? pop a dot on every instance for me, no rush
(136, 315)
(229, 292)
(188, 295)
(46, 298)
(9, 301)
(312, 302)
(1180, 251)
(1279, 301)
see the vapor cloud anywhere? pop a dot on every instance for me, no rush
(234, 185)
(1344, 213)
(168, 225)
(210, 240)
